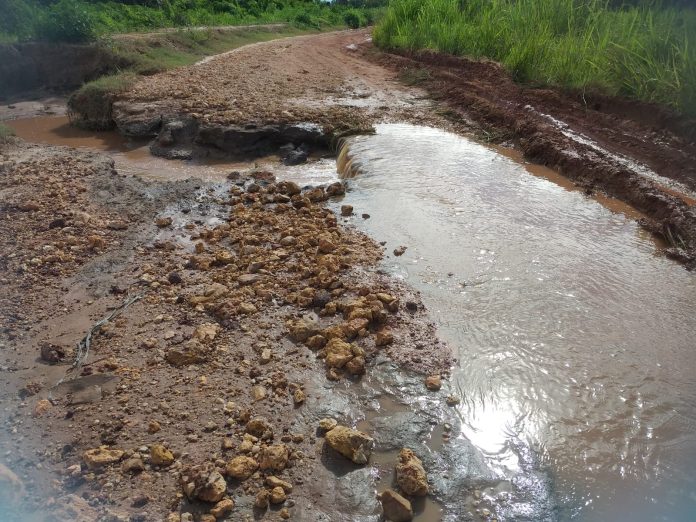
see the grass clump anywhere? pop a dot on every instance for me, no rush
(644, 51)
(5, 133)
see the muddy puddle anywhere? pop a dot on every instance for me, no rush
(573, 334)
(134, 158)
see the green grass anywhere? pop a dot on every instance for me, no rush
(644, 52)
(85, 20)
(5, 133)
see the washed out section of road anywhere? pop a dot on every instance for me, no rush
(573, 337)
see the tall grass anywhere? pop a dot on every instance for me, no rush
(643, 51)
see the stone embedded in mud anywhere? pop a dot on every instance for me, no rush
(338, 353)
(316, 342)
(289, 188)
(41, 407)
(278, 495)
(259, 427)
(410, 474)
(161, 456)
(99, 457)
(384, 338)
(258, 392)
(222, 508)
(133, 465)
(346, 210)
(52, 352)
(206, 332)
(400, 251)
(275, 482)
(302, 329)
(213, 489)
(262, 499)
(356, 366)
(298, 396)
(241, 467)
(352, 444)
(395, 507)
(326, 244)
(192, 352)
(274, 457)
(164, 222)
(335, 189)
(327, 424)
(433, 382)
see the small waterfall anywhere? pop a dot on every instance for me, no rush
(345, 165)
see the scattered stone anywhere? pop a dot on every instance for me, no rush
(400, 251)
(356, 366)
(410, 474)
(338, 353)
(284, 513)
(274, 482)
(346, 210)
(161, 456)
(214, 488)
(241, 467)
(433, 382)
(352, 444)
(327, 424)
(260, 427)
(298, 396)
(335, 189)
(278, 495)
(133, 465)
(52, 353)
(153, 426)
(395, 507)
(452, 400)
(258, 393)
(274, 457)
(206, 332)
(384, 338)
(174, 278)
(41, 407)
(247, 309)
(164, 222)
(99, 457)
(266, 356)
(366, 216)
(262, 499)
(222, 508)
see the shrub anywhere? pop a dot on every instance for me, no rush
(353, 18)
(67, 21)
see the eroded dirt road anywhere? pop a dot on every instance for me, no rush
(259, 313)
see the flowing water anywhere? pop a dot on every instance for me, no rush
(575, 339)
(574, 336)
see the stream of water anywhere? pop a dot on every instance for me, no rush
(574, 336)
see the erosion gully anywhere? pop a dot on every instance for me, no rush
(573, 334)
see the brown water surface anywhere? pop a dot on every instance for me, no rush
(575, 337)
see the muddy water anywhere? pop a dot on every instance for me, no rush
(575, 338)
(134, 158)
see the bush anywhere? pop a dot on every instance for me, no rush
(17, 18)
(67, 21)
(353, 19)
